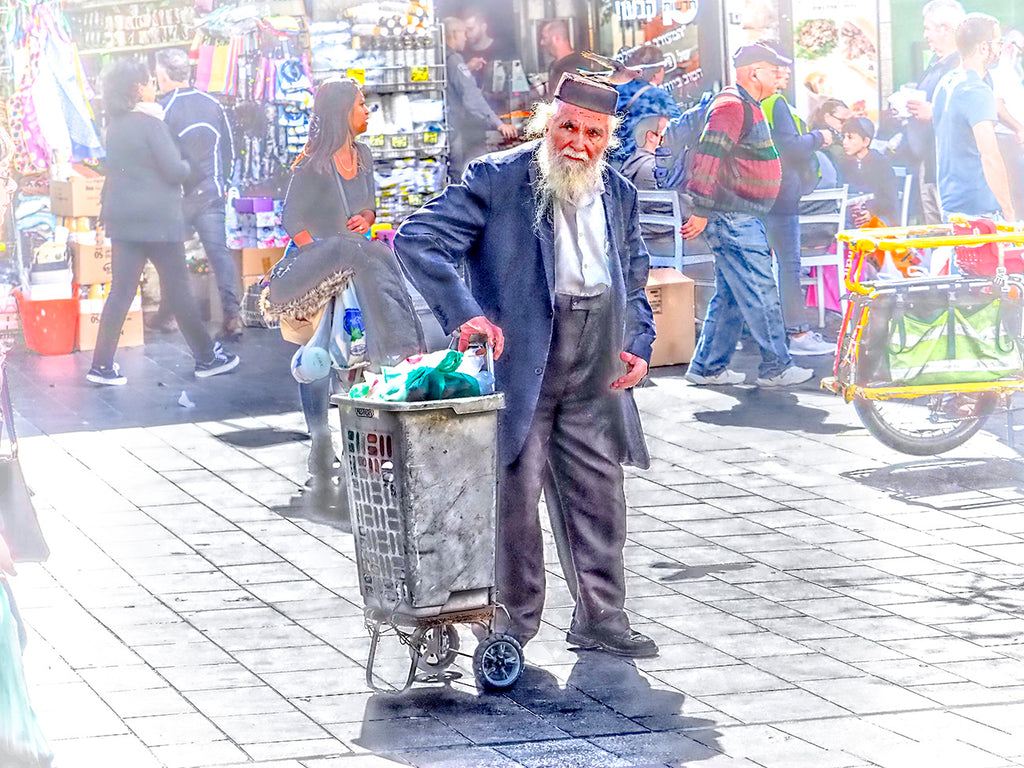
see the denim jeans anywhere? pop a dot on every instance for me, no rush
(784, 238)
(205, 213)
(745, 292)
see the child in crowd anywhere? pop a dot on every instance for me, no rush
(867, 172)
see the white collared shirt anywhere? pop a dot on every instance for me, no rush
(581, 247)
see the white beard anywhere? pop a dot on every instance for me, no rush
(569, 181)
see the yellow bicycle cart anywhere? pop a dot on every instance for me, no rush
(900, 357)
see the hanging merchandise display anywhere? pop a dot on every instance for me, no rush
(126, 27)
(48, 110)
(260, 67)
(396, 51)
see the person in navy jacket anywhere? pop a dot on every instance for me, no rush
(550, 237)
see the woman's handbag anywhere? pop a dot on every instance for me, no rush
(19, 524)
(22, 742)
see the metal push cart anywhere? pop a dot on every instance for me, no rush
(422, 483)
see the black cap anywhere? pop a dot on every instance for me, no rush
(759, 52)
(861, 126)
(587, 93)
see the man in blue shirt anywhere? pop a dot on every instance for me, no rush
(971, 175)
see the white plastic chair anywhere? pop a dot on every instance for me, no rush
(665, 198)
(837, 219)
(903, 192)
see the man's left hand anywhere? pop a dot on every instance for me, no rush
(636, 369)
(693, 226)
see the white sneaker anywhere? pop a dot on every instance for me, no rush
(723, 377)
(788, 377)
(810, 343)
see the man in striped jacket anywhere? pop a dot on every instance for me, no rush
(734, 180)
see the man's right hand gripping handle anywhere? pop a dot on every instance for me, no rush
(484, 327)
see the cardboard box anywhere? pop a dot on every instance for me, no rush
(79, 195)
(671, 295)
(89, 311)
(90, 264)
(257, 261)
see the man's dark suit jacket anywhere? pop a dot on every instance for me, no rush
(487, 223)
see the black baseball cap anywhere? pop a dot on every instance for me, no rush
(756, 53)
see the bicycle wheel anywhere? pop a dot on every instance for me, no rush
(924, 426)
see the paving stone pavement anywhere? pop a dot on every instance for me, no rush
(819, 601)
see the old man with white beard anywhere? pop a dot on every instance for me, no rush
(550, 238)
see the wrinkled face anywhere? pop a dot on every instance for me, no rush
(578, 134)
(854, 143)
(359, 115)
(457, 39)
(940, 38)
(764, 79)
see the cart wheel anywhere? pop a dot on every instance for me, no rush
(498, 662)
(435, 647)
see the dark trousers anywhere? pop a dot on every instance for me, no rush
(205, 214)
(783, 230)
(128, 259)
(574, 431)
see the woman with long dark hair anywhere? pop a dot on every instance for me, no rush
(142, 214)
(331, 192)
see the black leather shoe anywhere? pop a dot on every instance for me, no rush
(629, 643)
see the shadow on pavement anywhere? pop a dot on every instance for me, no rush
(320, 502)
(607, 708)
(262, 438)
(694, 572)
(962, 481)
(770, 409)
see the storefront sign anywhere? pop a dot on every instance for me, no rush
(672, 11)
(359, 75)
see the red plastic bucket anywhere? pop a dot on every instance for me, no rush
(49, 326)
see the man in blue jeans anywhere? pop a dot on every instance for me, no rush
(201, 128)
(735, 178)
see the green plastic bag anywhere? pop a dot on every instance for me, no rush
(954, 348)
(442, 382)
(22, 744)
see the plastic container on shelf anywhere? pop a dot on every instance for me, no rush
(49, 326)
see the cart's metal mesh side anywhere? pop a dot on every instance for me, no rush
(422, 480)
(376, 516)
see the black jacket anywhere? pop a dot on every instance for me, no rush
(198, 122)
(873, 175)
(921, 133)
(142, 194)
